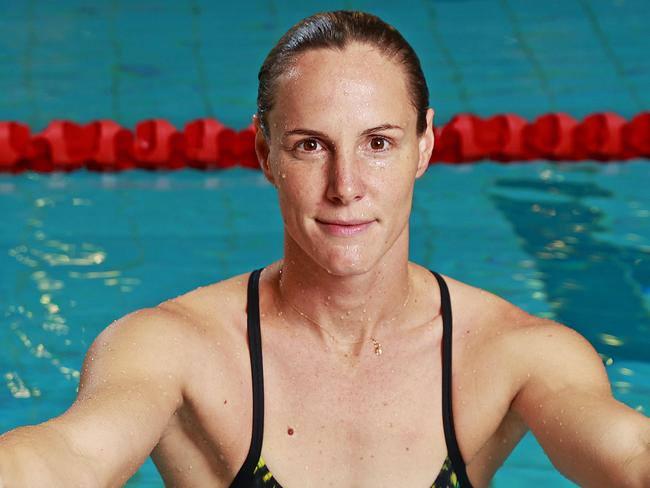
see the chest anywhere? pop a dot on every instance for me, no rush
(378, 421)
(373, 425)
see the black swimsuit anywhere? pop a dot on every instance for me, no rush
(255, 474)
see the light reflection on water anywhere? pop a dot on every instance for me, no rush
(566, 243)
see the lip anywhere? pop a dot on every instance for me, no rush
(344, 228)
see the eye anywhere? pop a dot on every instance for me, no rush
(379, 143)
(308, 145)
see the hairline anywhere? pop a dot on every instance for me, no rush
(291, 60)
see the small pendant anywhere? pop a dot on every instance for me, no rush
(377, 347)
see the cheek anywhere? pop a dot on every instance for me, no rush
(296, 195)
(298, 182)
(393, 185)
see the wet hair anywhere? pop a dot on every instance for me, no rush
(335, 30)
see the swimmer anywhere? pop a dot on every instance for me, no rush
(344, 364)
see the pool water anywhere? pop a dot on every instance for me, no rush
(181, 60)
(565, 241)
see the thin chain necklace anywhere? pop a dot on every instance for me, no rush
(375, 344)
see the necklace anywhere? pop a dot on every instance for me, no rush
(378, 349)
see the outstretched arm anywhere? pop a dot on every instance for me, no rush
(566, 400)
(130, 386)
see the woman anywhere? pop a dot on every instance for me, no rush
(364, 380)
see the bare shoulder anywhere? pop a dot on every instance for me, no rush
(135, 350)
(211, 305)
(482, 311)
(533, 350)
(553, 381)
(163, 340)
(515, 325)
(133, 380)
(137, 373)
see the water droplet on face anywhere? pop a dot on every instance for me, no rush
(378, 164)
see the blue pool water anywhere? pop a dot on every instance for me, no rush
(570, 242)
(77, 251)
(181, 60)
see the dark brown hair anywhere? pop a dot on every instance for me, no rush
(335, 30)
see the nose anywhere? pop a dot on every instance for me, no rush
(346, 183)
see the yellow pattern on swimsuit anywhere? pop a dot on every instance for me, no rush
(263, 478)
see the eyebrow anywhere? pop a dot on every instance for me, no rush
(322, 135)
(379, 128)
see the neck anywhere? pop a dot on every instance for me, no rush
(352, 311)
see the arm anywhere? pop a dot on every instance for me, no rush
(565, 399)
(130, 386)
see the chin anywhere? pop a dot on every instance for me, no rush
(348, 261)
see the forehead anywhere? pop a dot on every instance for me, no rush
(354, 87)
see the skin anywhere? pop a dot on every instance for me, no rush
(175, 379)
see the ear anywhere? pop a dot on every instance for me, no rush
(425, 145)
(262, 150)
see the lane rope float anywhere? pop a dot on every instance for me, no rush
(207, 144)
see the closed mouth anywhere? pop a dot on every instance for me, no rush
(344, 228)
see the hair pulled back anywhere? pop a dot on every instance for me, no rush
(335, 30)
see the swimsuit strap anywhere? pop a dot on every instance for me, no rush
(245, 475)
(453, 450)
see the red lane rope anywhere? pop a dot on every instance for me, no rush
(104, 145)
